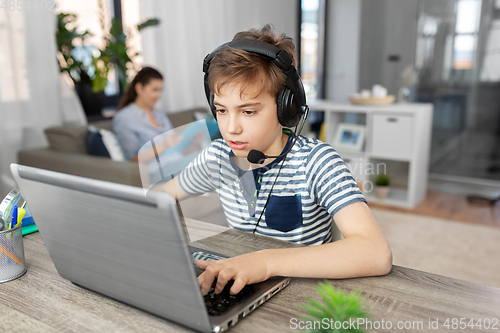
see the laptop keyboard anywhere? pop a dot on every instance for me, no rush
(218, 304)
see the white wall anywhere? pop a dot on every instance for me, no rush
(388, 28)
(283, 14)
(342, 54)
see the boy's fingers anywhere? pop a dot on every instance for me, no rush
(202, 264)
(206, 278)
(222, 279)
(209, 275)
(202, 281)
(238, 285)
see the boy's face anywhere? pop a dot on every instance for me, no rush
(247, 121)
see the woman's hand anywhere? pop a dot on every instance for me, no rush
(245, 269)
(196, 143)
(171, 140)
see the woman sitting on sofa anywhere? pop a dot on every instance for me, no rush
(137, 121)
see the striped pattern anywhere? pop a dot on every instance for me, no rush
(313, 171)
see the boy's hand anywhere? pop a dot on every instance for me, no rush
(245, 269)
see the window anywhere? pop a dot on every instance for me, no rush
(466, 28)
(131, 18)
(426, 34)
(490, 70)
(312, 54)
(310, 47)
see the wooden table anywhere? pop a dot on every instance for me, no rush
(42, 301)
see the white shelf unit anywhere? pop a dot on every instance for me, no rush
(397, 137)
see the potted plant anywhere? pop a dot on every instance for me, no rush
(382, 186)
(88, 65)
(337, 307)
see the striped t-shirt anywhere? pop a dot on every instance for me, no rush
(313, 184)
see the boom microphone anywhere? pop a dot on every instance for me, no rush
(257, 157)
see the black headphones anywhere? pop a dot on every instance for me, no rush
(291, 100)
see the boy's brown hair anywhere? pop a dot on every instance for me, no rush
(233, 65)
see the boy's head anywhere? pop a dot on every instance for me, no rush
(233, 65)
(253, 89)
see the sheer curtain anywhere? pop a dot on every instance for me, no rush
(33, 95)
(190, 29)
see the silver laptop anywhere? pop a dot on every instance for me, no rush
(109, 238)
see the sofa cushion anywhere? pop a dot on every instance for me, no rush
(101, 142)
(94, 143)
(67, 139)
(112, 145)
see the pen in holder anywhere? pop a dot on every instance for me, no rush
(12, 263)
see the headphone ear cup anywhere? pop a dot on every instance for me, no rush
(287, 108)
(280, 101)
(212, 106)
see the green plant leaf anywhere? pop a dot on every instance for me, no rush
(337, 305)
(148, 23)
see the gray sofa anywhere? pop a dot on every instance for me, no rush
(67, 153)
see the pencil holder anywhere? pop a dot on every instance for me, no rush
(12, 263)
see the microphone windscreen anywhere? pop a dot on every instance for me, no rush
(256, 157)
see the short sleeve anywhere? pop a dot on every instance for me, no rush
(197, 178)
(330, 182)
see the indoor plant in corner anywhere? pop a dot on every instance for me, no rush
(382, 186)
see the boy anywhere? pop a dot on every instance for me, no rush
(293, 194)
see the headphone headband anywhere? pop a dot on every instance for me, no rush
(280, 58)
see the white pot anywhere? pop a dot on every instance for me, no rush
(381, 192)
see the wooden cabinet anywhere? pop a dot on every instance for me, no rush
(396, 142)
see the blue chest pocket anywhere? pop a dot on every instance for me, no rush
(284, 213)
